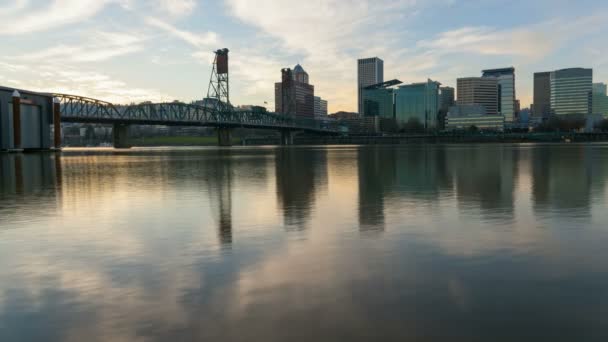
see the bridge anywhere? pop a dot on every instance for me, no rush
(216, 112)
(78, 109)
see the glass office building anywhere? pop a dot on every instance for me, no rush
(418, 101)
(378, 102)
(571, 91)
(600, 99)
(506, 91)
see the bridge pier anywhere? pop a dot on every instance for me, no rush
(287, 137)
(120, 135)
(56, 124)
(224, 136)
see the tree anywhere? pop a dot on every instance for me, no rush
(473, 129)
(602, 125)
(413, 125)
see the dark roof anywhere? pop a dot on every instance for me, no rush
(383, 84)
(500, 71)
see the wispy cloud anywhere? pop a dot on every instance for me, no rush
(100, 47)
(23, 18)
(194, 39)
(177, 8)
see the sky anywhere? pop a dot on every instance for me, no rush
(126, 51)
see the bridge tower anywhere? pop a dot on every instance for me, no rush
(219, 85)
(219, 93)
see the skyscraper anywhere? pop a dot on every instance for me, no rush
(447, 96)
(571, 91)
(542, 94)
(506, 91)
(370, 71)
(294, 95)
(320, 107)
(479, 90)
(419, 101)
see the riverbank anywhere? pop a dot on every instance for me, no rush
(438, 139)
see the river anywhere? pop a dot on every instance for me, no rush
(493, 242)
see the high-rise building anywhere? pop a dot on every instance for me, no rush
(479, 90)
(370, 71)
(294, 95)
(506, 91)
(419, 101)
(571, 91)
(600, 99)
(542, 94)
(320, 107)
(447, 96)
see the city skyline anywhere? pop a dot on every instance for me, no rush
(129, 50)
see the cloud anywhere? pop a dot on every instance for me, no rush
(22, 19)
(101, 46)
(177, 8)
(325, 36)
(194, 39)
(61, 78)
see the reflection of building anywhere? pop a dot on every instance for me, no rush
(562, 178)
(320, 107)
(369, 71)
(600, 99)
(571, 91)
(418, 101)
(505, 78)
(479, 91)
(376, 176)
(542, 94)
(294, 95)
(486, 177)
(300, 173)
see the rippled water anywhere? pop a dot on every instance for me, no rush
(413, 243)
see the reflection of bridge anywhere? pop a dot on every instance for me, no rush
(87, 110)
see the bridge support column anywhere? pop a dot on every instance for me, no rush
(16, 121)
(224, 136)
(120, 135)
(287, 137)
(56, 124)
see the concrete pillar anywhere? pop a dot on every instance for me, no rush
(16, 120)
(224, 136)
(57, 123)
(120, 135)
(287, 137)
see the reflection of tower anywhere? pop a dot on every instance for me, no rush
(219, 185)
(376, 174)
(219, 89)
(299, 174)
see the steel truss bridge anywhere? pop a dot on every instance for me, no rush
(87, 110)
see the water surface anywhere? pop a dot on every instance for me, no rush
(412, 243)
